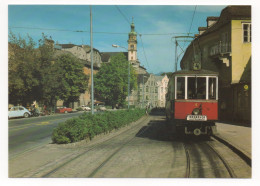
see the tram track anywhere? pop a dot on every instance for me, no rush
(114, 153)
(187, 173)
(201, 154)
(235, 149)
(95, 146)
(225, 163)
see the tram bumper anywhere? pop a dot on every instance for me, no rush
(196, 128)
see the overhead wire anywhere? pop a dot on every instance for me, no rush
(79, 31)
(144, 51)
(191, 22)
(140, 35)
(123, 14)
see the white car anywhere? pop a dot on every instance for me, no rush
(86, 108)
(102, 108)
(18, 111)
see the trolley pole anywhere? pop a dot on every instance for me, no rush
(180, 39)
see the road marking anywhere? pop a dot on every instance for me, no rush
(15, 128)
(44, 123)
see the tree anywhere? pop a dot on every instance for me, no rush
(169, 74)
(23, 70)
(34, 73)
(74, 81)
(111, 82)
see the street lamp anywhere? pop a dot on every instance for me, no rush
(117, 46)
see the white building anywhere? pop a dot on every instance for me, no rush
(162, 84)
(152, 90)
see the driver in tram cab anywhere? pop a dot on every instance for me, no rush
(201, 93)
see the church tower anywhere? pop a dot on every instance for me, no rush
(132, 44)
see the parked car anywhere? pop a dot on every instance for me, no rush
(18, 111)
(86, 108)
(102, 108)
(63, 110)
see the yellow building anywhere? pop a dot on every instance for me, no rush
(224, 46)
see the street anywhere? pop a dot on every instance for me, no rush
(29, 133)
(147, 148)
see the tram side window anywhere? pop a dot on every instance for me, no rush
(212, 88)
(180, 87)
(196, 87)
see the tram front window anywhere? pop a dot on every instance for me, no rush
(196, 87)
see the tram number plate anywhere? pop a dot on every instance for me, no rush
(196, 118)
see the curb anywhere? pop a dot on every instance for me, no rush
(241, 153)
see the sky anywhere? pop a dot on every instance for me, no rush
(157, 24)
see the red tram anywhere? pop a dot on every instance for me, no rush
(192, 101)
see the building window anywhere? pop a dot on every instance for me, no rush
(132, 46)
(246, 32)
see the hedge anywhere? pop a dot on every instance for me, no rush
(88, 125)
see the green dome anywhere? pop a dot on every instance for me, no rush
(132, 29)
(133, 33)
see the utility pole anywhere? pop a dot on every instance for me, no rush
(128, 82)
(143, 92)
(91, 54)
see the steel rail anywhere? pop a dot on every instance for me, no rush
(187, 173)
(236, 150)
(229, 169)
(114, 153)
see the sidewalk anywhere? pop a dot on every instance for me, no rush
(238, 136)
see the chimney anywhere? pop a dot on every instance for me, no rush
(211, 21)
(201, 30)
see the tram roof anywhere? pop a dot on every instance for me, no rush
(195, 72)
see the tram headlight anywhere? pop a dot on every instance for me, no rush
(196, 111)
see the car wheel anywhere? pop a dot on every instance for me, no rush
(26, 115)
(66, 112)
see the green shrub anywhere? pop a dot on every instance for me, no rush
(79, 109)
(88, 125)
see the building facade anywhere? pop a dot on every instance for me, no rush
(152, 90)
(162, 83)
(225, 47)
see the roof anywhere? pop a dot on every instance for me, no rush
(202, 28)
(142, 78)
(105, 56)
(230, 13)
(195, 72)
(212, 18)
(86, 63)
(240, 12)
(158, 78)
(66, 45)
